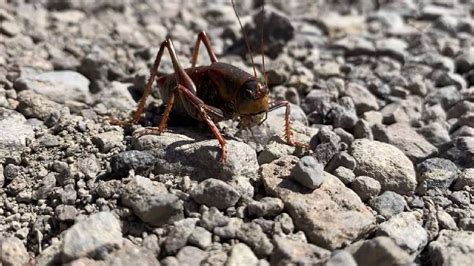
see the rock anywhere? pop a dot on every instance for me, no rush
(291, 252)
(336, 206)
(179, 235)
(388, 204)
(445, 220)
(341, 258)
(363, 99)
(139, 161)
(406, 230)
(284, 224)
(446, 96)
(381, 250)
(409, 141)
(392, 47)
(460, 197)
(229, 231)
(13, 252)
(435, 133)
(2, 177)
(253, 235)
(366, 187)
(117, 97)
(436, 173)
(191, 256)
(152, 204)
(335, 24)
(45, 187)
(341, 159)
(65, 213)
(308, 172)
(466, 178)
(36, 106)
(265, 207)
(215, 193)
(241, 254)
(466, 224)
(273, 151)
(200, 238)
(92, 237)
(386, 164)
(452, 248)
(345, 175)
(212, 219)
(108, 140)
(343, 114)
(462, 151)
(184, 155)
(14, 132)
(362, 130)
(465, 60)
(10, 28)
(58, 86)
(130, 254)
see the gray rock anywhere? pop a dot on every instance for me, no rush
(229, 231)
(10, 28)
(14, 132)
(465, 60)
(409, 141)
(363, 99)
(117, 97)
(265, 207)
(460, 197)
(45, 187)
(393, 47)
(140, 161)
(253, 235)
(291, 252)
(452, 248)
(2, 177)
(466, 178)
(241, 254)
(406, 230)
(366, 187)
(273, 151)
(436, 173)
(91, 237)
(337, 206)
(65, 213)
(308, 172)
(59, 86)
(445, 220)
(130, 254)
(446, 96)
(466, 224)
(13, 252)
(346, 175)
(435, 133)
(108, 140)
(362, 130)
(341, 258)
(215, 193)
(191, 256)
(388, 204)
(152, 204)
(200, 238)
(36, 106)
(343, 114)
(184, 155)
(213, 218)
(381, 251)
(462, 151)
(386, 164)
(284, 224)
(179, 235)
(341, 159)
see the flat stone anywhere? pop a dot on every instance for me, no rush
(90, 237)
(34, 105)
(386, 164)
(193, 155)
(414, 145)
(130, 254)
(363, 99)
(108, 140)
(308, 172)
(152, 203)
(140, 161)
(452, 248)
(366, 187)
(324, 213)
(59, 86)
(406, 230)
(388, 204)
(436, 173)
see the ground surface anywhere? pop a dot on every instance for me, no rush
(382, 92)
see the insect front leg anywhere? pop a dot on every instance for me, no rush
(288, 133)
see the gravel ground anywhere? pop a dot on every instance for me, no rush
(383, 92)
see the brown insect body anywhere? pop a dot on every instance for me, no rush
(231, 91)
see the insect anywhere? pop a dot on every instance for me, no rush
(211, 93)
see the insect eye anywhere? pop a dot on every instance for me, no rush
(248, 94)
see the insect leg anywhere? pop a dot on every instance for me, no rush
(287, 132)
(202, 37)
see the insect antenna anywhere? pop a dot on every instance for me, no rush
(245, 39)
(261, 46)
